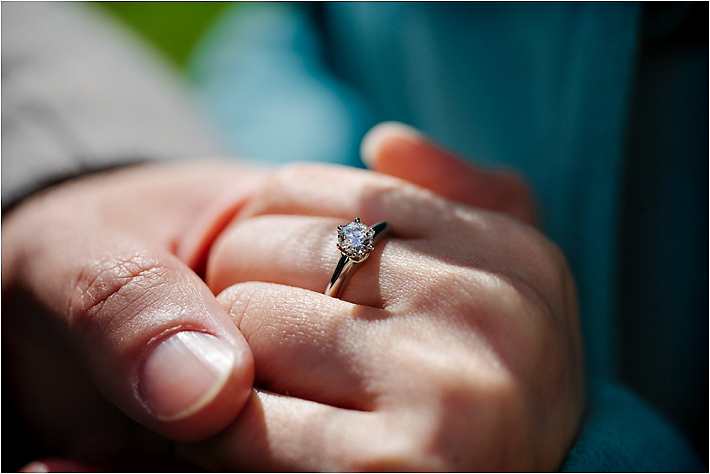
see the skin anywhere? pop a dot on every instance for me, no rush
(454, 347)
(97, 274)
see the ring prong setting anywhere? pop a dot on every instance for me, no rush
(355, 240)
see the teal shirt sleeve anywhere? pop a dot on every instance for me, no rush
(622, 433)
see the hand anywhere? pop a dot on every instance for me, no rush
(101, 298)
(455, 345)
(398, 150)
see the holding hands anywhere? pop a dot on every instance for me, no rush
(102, 301)
(455, 346)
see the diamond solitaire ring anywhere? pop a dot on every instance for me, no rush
(355, 242)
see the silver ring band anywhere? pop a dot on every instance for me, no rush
(355, 242)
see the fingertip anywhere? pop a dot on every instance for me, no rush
(375, 139)
(184, 373)
(401, 151)
(157, 343)
(194, 384)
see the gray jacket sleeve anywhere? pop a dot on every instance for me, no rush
(81, 94)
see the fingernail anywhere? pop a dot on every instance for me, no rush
(183, 373)
(377, 135)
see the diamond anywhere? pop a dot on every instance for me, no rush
(355, 240)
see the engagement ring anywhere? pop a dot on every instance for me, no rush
(355, 242)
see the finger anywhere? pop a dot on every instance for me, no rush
(280, 433)
(399, 150)
(290, 250)
(347, 193)
(413, 214)
(298, 339)
(152, 336)
(301, 251)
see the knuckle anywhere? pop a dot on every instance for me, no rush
(459, 292)
(549, 277)
(110, 290)
(444, 441)
(399, 450)
(296, 170)
(493, 403)
(300, 173)
(269, 199)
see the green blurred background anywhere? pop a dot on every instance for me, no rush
(172, 27)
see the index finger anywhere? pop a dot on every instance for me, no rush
(346, 193)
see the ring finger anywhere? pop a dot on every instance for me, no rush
(301, 251)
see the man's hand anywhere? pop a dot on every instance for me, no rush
(101, 298)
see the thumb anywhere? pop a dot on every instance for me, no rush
(148, 331)
(401, 151)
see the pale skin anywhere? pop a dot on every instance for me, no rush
(455, 346)
(96, 274)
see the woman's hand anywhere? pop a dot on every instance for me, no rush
(101, 297)
(455, 345)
